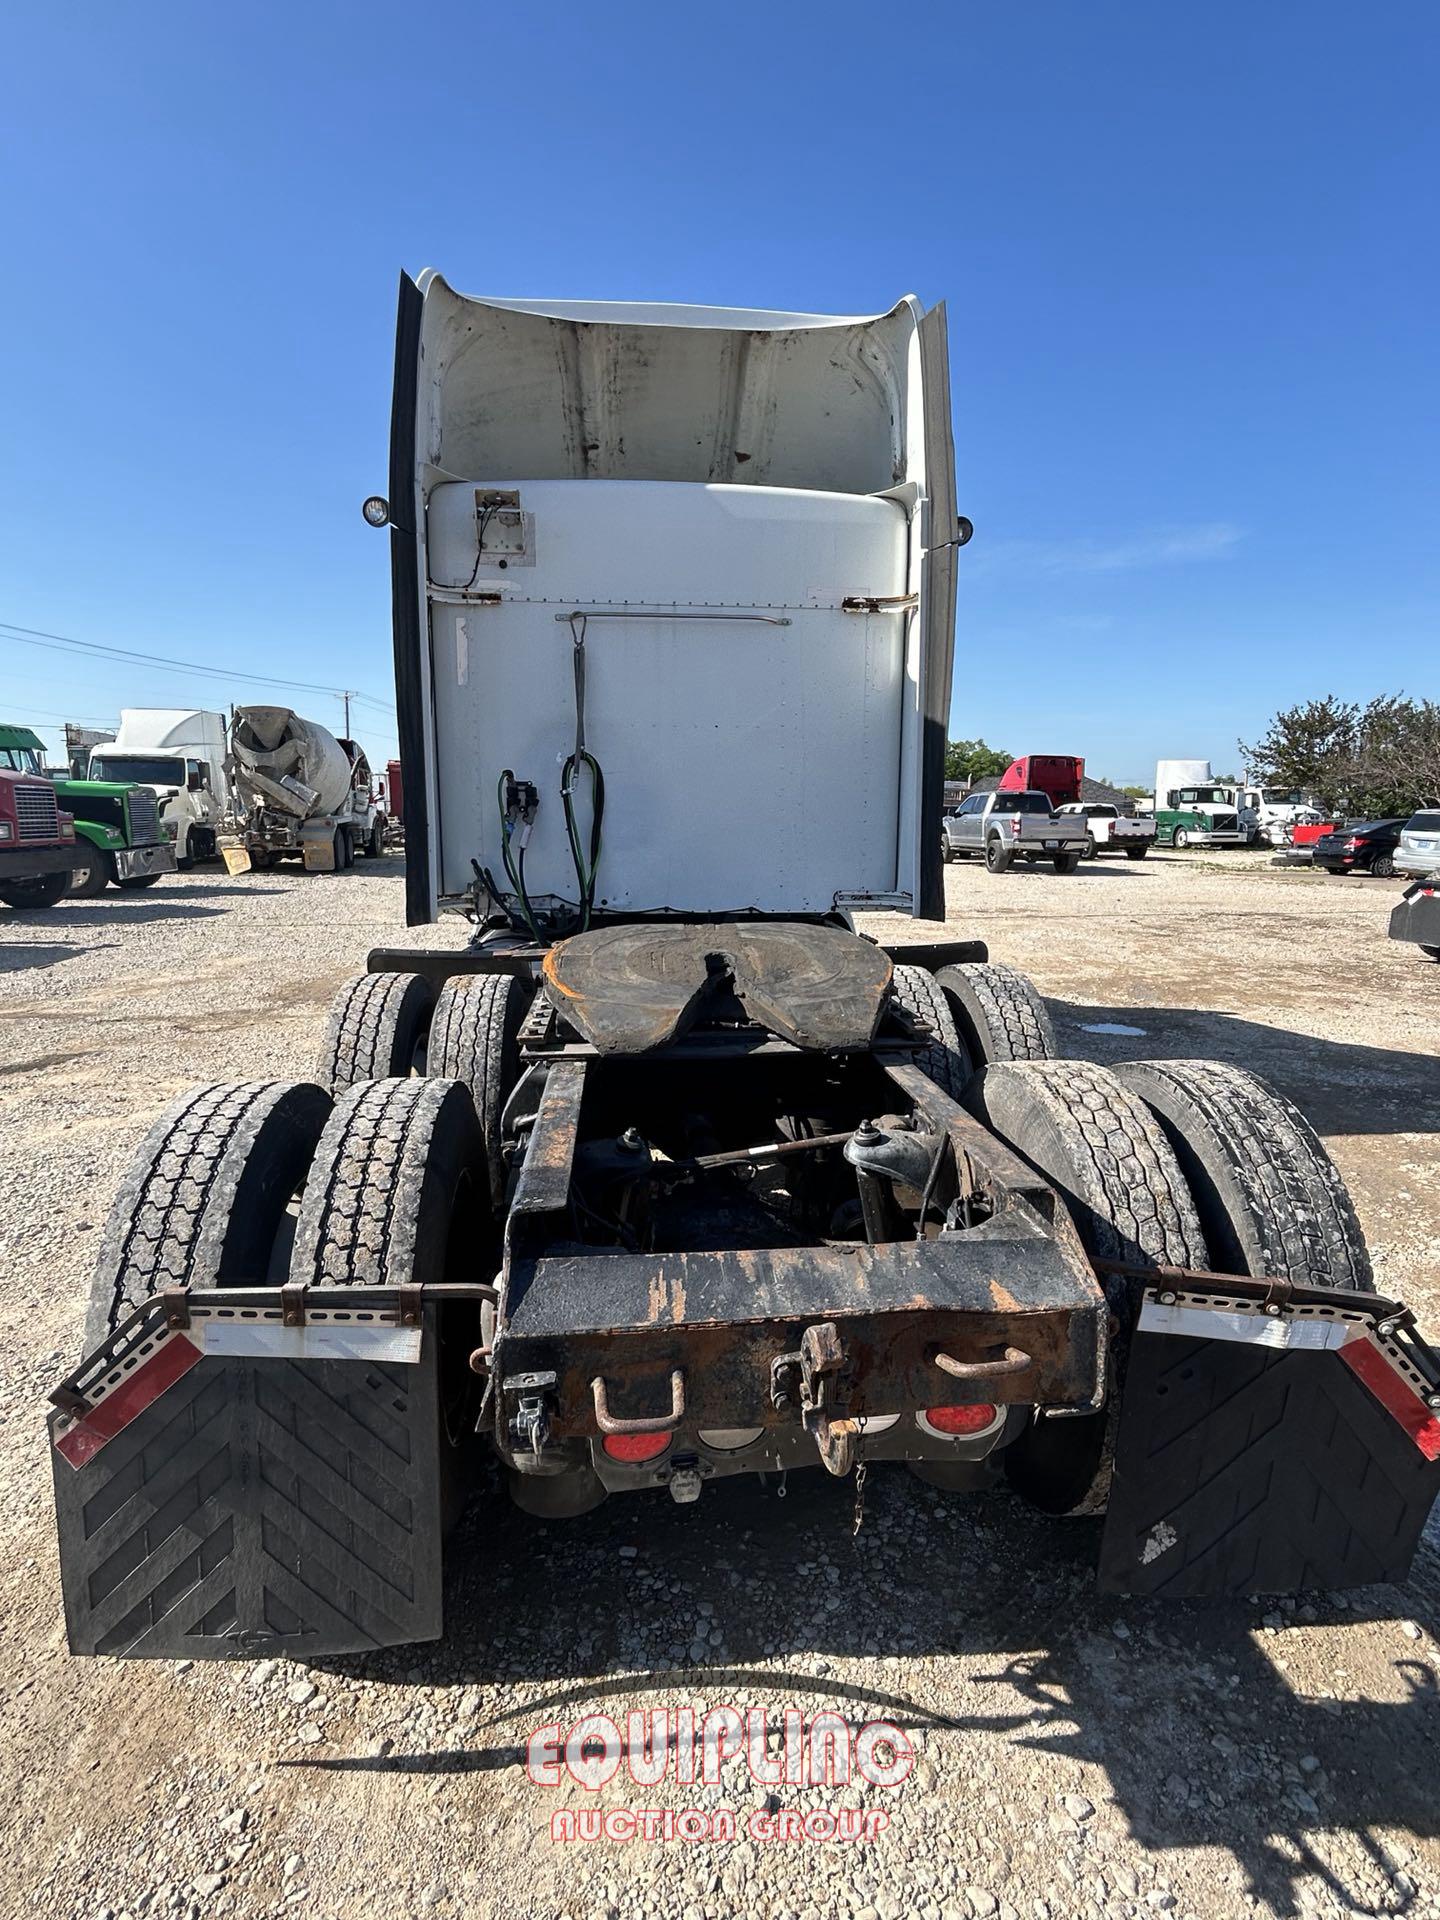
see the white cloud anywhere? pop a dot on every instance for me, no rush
(1164, 547)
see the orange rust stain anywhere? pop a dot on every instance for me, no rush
(919, 1300)
(655, 1298)
(1004, 1298)
(677, 1303)
(547, 967)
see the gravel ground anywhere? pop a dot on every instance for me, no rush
(1075, 1755)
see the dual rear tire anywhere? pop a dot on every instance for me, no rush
(1177, 1163)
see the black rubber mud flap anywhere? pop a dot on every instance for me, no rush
(1242, 1469)
(235, 1507)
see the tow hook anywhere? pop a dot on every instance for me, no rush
(809, 1376)
(529, 1425)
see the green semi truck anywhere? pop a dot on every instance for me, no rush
(120, 835)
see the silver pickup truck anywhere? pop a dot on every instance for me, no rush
(1004, 827)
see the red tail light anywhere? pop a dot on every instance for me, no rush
(633, 1448)
(956, 1421)
(1015, 824)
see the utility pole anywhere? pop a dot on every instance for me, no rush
(346, 698)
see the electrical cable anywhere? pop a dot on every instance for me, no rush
(579, 761)
(487, 514)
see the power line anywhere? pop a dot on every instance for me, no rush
(48, 713)
(66, 643)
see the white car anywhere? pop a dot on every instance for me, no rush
(1419, 848)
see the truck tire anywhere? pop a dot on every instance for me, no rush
(997, 855)
(44, 890)
(1090, 848)
(1137, 853)
(390, 1197)
(1067, 862)
(206, 1195)
(396, 1197)
(997, 1013)
(946, 1060)
(1096, 1141)
(92, 879)
(475, 1038)
(376, 1022)
(1099, 1146)
(375, 840)
(185, 860)
(1180, 838)
(137, 882)
(1270, 1199)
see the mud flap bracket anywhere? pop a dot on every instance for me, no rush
(1268, 1448)
(242, 1486)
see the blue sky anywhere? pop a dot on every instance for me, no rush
(1189, 255)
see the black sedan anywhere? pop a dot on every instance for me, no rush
(1368, 846)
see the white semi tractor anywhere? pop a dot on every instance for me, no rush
(298, 793)
(179, 754)
(673, 1173)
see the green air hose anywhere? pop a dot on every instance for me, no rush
(516, 874)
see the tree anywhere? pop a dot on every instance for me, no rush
(973, 760)
(1382, 758)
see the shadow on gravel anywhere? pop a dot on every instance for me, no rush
(1340, 1088)
(1204, 1739)
(1104, 868)
(123, 913)
(25, 955)
(225, 889)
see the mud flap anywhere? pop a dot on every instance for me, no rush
(223, 1504)
(237, 859)
(1278, 1456)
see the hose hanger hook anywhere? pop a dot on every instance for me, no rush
(578, 624)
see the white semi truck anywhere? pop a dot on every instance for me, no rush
(673, 1173)
(179, 754)
(298, 793)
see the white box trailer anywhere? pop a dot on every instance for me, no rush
(746, 523)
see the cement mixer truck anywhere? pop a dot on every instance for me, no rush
(297, 793)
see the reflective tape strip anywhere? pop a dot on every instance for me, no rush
(1395, 1394)
(322, 1340)
(171, 1360)
(1355, 1344)
(1259, 1330)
